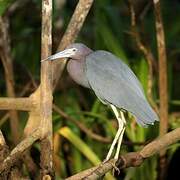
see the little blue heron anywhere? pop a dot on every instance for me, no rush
(112, 81)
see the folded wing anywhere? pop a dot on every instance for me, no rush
(114, 82)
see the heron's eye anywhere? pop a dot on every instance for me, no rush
(74, 50)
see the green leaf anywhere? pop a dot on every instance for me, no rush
(82, 147)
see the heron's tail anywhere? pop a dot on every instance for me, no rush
(147, 116)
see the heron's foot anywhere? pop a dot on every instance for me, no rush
(115, 168)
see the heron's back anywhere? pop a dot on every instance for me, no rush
(114, 82)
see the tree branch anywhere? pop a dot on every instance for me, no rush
(132, 159)
(22, 93)
(23, 104)
(146, 52)
(5, 54)
(46, 91)
(16, 153)
(36, 103)
(163, 89)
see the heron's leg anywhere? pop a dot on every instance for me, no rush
(121, 136)
(120, 129)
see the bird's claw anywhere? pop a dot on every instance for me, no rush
(115, 168)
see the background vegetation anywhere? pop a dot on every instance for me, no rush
(79, 116)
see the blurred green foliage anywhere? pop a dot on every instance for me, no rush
(107, 27)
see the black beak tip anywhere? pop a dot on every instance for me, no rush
(44, 59)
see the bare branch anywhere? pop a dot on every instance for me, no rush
(3, 147)
(15, 173)
(46, 91)
(161, 143)
(162, 69)
(132, 159)
(23, 104)
(163, 87)
(22, 93)
(5, 54)
(4, 150)
(146, 52)
(16, 153)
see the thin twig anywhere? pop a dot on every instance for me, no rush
(56, 157)
(163, 89)
(5, 54)
(89, 132)
(162, 69)
(146, 52)
(81, 126)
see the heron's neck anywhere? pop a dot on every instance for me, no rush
(76, 69)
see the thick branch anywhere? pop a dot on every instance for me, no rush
(22, 93)
(23, 104)
(131, 159)
(46, 68)
(4, 151)
(16, 153)
(15, 173)
(71, 33)
(46, 91)
(160, 143)
(3, 147)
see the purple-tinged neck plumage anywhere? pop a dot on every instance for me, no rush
(76, 65)
(77, 54)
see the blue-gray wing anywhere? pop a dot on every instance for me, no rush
(113, 82)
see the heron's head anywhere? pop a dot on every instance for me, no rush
(76, 51)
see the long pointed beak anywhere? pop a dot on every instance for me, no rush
(67, 53)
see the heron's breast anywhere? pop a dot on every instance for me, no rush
(76, 70)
